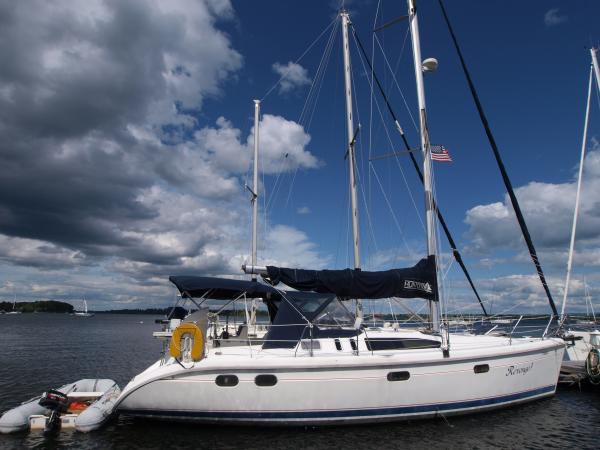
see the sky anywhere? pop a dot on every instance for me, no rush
(127, 136)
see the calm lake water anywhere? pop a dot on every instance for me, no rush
(40, 351)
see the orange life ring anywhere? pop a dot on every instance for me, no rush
(197, 337)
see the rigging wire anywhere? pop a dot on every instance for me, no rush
(389, 138)
(391, 71)
(496, 153)
(323, 64)
(358, 171)
(277, 185)
(367, 212)
(393, 74)
(299, 59)
(455, 251)
(309, 105)
(395, 219)
(321, 70)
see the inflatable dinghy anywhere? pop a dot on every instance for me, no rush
(84, 405)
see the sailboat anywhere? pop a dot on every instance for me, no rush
(85, 312)
(319, 363)
(14, 310)
(582, 345)
(589, 307)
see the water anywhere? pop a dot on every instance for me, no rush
(40, 351)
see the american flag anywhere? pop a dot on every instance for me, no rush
(439, 153)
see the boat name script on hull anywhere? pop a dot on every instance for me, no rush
(512, 370)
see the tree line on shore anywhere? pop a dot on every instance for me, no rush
(38, 306)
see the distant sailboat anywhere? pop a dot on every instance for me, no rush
(14, 310)
(85, 312)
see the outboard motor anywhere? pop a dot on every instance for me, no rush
(57, 403)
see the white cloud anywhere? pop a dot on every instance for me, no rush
(224, 146)
(548, 209)
(283, 146)
(303, 210)
(99, 106)
(524, 294)
(289, 247)
(552, 17)
(36, 253)
(292, 75)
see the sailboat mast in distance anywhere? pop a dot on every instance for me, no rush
(425, 147)
(593, 65)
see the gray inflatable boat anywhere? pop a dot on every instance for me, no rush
(90, 404)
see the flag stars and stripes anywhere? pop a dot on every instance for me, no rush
(439, 153)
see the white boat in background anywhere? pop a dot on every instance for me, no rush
(501, 321)
(14, 310)
(318, 363)
(85, 312)
(583, 340)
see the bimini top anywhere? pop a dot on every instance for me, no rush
(222, 288)
(417, 281)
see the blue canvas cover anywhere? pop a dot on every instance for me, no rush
(295, 312)
(418, 281)
(222, 288)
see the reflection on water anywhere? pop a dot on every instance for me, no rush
(47, 350)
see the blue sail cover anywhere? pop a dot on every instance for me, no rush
(418, 281)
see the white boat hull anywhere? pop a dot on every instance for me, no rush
(578, 349)
(331, 390)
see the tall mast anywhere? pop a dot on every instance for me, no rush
(351, 142)
(425, 147)
(255, 186)
(579, 178)
(351, 138)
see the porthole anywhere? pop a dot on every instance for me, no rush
(398, 376)
(265, 380)
(226, 380)
(481, 368)
(338, 344)
(353, 344)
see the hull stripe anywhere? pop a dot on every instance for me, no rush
(347, 413)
